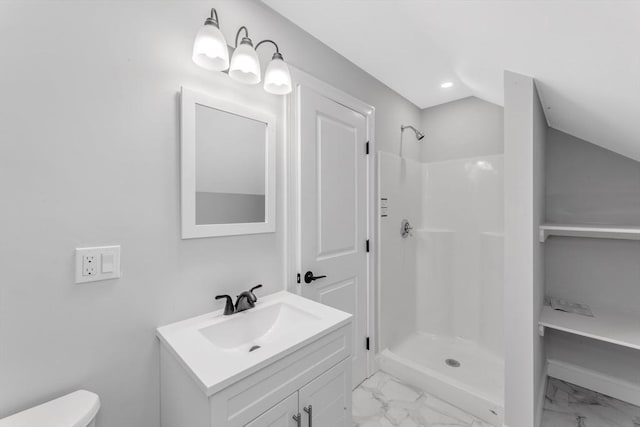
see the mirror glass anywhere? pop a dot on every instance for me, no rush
(230, 153)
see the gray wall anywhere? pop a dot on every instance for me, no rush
(591, 185)
(90, 156)
(587, 184)
(525, 132)
(468, 127)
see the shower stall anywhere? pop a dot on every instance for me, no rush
(440, 279)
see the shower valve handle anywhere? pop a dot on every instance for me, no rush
(309, 277)
(406, 228)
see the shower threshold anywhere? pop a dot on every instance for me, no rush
(455, 370)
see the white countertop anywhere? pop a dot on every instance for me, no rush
(215, 367)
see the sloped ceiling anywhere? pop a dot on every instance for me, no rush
(585, 55)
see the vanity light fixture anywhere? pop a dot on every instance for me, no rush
(245, 65)
(210, 51)
(277, 79)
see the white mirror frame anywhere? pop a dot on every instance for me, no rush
(190, 230)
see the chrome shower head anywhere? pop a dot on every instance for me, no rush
(419, 135)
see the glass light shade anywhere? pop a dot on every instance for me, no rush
(277, 79)
(245, 66)
(210, 49)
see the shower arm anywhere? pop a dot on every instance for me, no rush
(419, 134)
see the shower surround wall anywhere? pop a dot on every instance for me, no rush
(400, 183)
(441, 289)
(459, 268)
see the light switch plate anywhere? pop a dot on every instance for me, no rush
(98, 263)
(107, 263)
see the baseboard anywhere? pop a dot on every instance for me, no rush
(542, 393)
(596, 381)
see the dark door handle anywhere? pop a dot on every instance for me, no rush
(309, 277)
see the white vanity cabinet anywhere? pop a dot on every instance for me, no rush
(326, 401)
(305, 372)
(284, 414)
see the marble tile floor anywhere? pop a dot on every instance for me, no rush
(567, 405)
(383, 401)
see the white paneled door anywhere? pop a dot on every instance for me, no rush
(333, 212)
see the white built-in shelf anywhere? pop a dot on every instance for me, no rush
(608, 326)
(593, 231)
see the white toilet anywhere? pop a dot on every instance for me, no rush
(77, 409)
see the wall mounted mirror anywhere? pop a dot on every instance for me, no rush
(228, 167)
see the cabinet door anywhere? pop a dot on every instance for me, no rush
(280, 415)
(326, 401)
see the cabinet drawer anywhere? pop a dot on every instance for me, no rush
(243, 401)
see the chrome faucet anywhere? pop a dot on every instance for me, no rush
(244, 301)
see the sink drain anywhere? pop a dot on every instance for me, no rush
(254, 348)
(453, 363)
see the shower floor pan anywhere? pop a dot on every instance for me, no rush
(455, 370)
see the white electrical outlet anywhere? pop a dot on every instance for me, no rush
(89, 265)
(99, 263)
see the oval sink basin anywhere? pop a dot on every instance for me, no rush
(253, 329)
(218, 350)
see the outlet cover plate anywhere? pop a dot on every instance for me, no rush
(112, 253)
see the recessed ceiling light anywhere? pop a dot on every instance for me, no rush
(446, 85)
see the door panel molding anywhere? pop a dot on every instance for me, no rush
(323, 151)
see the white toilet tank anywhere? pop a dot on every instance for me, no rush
(77, 409)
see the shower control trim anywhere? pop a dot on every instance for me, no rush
(406, 229)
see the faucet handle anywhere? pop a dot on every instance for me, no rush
(228, 308)
(254, 298)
